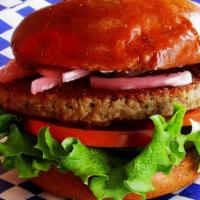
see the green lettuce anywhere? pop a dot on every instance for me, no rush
(107, 175)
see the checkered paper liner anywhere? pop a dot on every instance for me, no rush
(11, 187)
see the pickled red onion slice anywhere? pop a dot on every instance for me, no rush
(53, 78)
(74, 74)
(13, 70)
(45, 83)
(174, 79)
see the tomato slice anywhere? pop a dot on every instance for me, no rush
(94, 138)
(101, 138)
(194, 115)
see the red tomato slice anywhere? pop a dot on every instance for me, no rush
(194, 115)
(94, 138)
(101, 138)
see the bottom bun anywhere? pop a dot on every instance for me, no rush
(69, 186)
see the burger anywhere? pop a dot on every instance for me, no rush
(102, 99)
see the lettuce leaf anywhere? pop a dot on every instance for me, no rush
(5, 121)
(107, 175)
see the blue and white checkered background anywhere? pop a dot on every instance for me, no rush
(11, 187)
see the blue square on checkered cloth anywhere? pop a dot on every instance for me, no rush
(192, 192)
(29, 186)
(25, 11)
(53, 1)
(3, 60)
(3, 44)
(4, 27)
(2, 7)
(36, 198)
(4, 185)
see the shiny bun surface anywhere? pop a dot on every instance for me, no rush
(111, 35)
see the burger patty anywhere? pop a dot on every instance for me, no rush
(76, 103)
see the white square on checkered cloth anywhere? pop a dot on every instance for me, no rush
(10, 3)
(179, 198)
(197, 181)
(20, 189)
(10, 17)
(7, 52)
(7, 34)
(16, 193)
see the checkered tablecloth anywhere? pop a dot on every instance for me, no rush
(11, 187)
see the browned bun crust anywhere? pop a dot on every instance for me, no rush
(69, 186)
(110, 35)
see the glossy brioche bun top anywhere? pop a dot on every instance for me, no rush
(111, 35)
